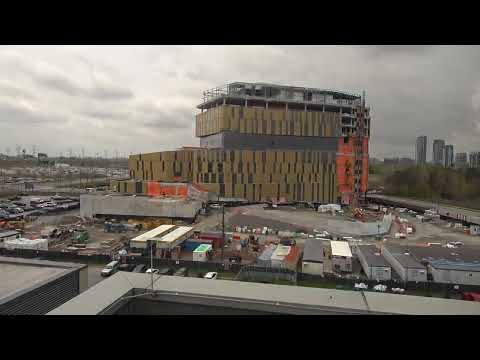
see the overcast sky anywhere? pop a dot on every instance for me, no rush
(143, 98)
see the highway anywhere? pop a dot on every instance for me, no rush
(453, 212)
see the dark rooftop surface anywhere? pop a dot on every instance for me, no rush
(372, 255)
(407, 261)
(462, 258)
(313, 250)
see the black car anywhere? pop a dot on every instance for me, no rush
(165, 271)
(140, 269)
(181, 272)
(235, 259)
(126, 267)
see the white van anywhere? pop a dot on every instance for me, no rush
(110, 269)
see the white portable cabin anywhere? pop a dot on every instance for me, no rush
(141, 241)
(200, 253)
(341, 256)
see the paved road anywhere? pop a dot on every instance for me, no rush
(94, 276)
(471, 215)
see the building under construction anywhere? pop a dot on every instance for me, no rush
(264, 142)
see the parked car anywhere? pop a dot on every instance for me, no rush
(211, 275)
(380, 287)
(126, 267)
(235, 259)
(14, 210)
(140, 268)
(361, 286)
(181, 272)
(110, 269)
(152, 271)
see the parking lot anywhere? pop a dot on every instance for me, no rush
(21, 207)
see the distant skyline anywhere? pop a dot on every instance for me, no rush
(143, 98)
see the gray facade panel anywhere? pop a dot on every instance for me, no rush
(238, 141)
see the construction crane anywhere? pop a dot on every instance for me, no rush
(358, 139)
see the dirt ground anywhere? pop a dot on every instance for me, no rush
(435, 231)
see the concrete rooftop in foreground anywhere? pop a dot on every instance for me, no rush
(19, 275)
(14, 277)
(281, 299)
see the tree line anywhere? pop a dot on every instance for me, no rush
(430, 181)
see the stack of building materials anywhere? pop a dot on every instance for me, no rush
(329, 208)
(30, 244)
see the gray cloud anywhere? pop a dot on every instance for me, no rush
(143, 98)
(59, 83)
(24, 114)
(103, 92)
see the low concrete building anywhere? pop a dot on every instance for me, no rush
(341, 256)
(35, 287)
(92, 205)
(313, 255)
(373, 263)
(404, 264)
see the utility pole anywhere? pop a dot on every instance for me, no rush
(151, 263)
(223, 228)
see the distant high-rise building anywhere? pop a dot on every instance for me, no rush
(461, 160)
(421, 150)
(475, 159)
(449, 156)
(438, 152)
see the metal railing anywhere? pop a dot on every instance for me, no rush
(239, 90)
